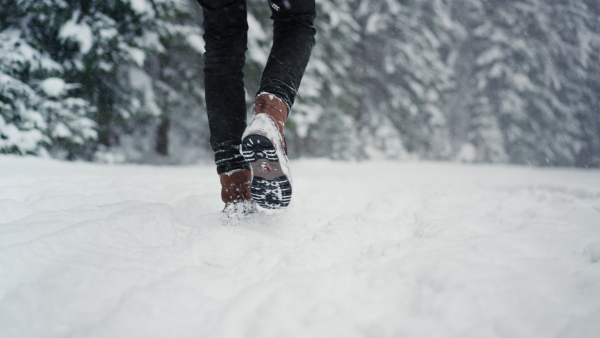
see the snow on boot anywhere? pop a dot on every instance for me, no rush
(263, 147)
(235, 192)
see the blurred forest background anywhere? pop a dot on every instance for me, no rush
(502, 81)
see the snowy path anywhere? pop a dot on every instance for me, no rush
(433, 250)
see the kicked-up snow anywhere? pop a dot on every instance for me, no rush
(374, 249)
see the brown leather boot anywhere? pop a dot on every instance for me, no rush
(273, 107)
(263, 147)
(235, 191)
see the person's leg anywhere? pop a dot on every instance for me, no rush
(263, 144)
(293, 40)
(225, 35)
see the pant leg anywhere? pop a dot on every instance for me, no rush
(225, 35)
(293, 40)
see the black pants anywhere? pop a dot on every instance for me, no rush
(225, 35)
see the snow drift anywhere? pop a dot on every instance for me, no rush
(375, 249)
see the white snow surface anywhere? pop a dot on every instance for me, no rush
(53, 86)
(79, 32)
(373, 249)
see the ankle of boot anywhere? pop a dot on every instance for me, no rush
(272, 105)
(235, 186)
(235, 177)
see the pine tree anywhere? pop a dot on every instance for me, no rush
(580, 64)
(479, 80)
(323, 120)
(89, 71)
(403, 71)
(38, 110)
(531, 65)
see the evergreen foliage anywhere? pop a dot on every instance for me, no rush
(530, 58)
(487, 81)
(76, 77)
(324, 119)
(403, 54)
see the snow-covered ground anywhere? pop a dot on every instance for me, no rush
(376, 249)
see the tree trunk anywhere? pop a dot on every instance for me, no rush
(162, 136)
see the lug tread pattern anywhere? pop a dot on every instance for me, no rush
(269, 194)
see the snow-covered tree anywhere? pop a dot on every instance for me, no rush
(579, 60)
(478, 80)
(89, 70)
(531, 65)
(402, 69)
(323, 119)
(37, 110)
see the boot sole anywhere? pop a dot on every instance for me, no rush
(271, 188)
